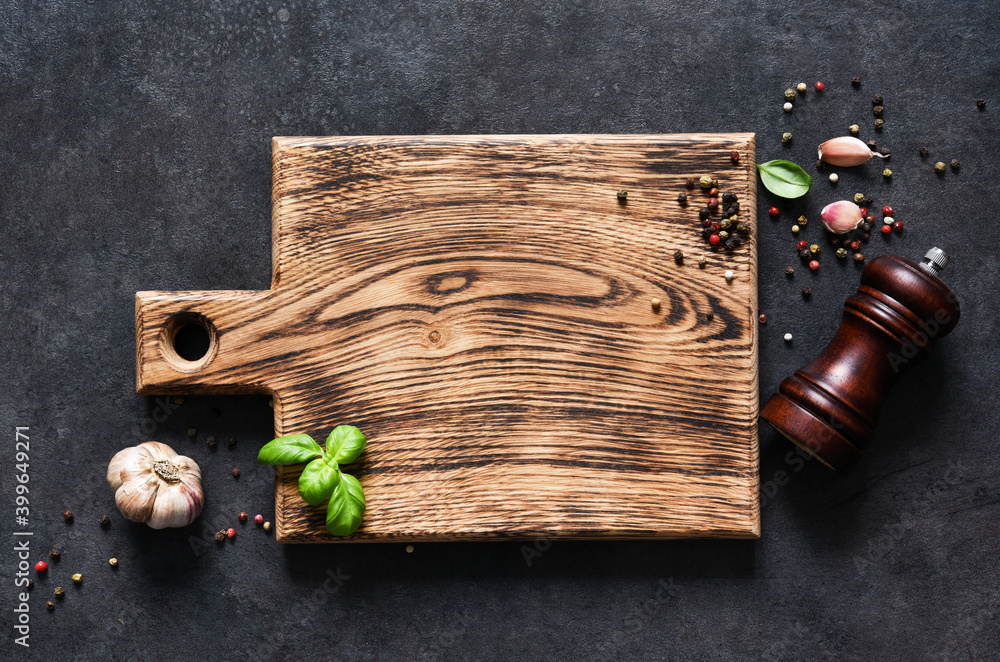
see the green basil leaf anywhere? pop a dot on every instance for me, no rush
(292, 449)
(345, 443)
(346, 507)
(318, 480)
(784, 178)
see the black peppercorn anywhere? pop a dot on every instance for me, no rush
(678, 257)
(806, 291)
(707, 232)
(924, 151)
(54, 553)
(789, 271)
(31, 583)
(856, 81)
(878, 110)
(980, 103)
(732, 243)
(210, 441)
(866, 227)
(869, 199)
(682, 198)
(220, 536)
(105, 520)
(623, 196)
(710, 316)
(877, 100)
(690, 183)
(192, 432)
(742, 228)
(805, 254)
(728, 198)
(68, 516)
(704, 213)
(872, 145)
(955, 164)
(231, 442)
(886, 152)
(726, 214)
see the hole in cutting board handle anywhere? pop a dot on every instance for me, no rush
(188, 342)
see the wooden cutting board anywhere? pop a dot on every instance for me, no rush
(480, 307)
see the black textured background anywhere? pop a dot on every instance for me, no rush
(135, 154)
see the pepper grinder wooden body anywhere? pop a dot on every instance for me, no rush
(830, 406)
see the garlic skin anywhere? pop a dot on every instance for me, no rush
(845, 151)
(155, 485)
(841, 216)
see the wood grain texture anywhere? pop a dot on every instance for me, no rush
(480, 307)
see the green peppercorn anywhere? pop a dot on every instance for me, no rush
(939, 167)
(854, 129)
(706, 182)
(790, 94)
(841, 253)
(859, 198)
(887, 173)
(742, 228)
(723, 234)
(77, 578)
(786, 137)
(622, 196)
(60, 591)
(878, 110)
(813, 249)
(879, 124)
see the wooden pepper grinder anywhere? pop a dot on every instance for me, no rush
(830, 406)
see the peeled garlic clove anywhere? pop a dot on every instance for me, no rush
(845, 151)
(842, 216)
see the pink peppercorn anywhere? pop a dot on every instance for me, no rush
(819, 86)
(230, 532)
(802, 244)
(735, 156)
(242, 517)
(886, 229)
(258, 519)
(898, 226)
(715, 239)
(887, 211)
(814, 264)
(41, 566)
(774, 211)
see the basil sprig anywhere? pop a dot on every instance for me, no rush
(784, 178)
(322, 479)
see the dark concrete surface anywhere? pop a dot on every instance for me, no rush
(135, 154)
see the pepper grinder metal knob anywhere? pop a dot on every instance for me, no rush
(830, 406)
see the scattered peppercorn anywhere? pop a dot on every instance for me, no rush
(729, 276)
(113, 562)
(789, 94)
(872, 145)
(236, 473)
(409, 549)
(859, 198)
(834, 177)
(858, 257)
(192, 432)
(242, 518)
(939, 167)
(682, 198)
(802, 244)
(955, 164)
(706, 182)
(819, 86)
(886, 152)
(878, 110)
(786, 137)
(877, 100)
(31, 583)
(854, 129)
(898, 226)
(105, 520)
(887, 210)
(814, 264)
(77, 578)
(787, 107)
(678, 257)
(803, 220)
(879, 124)
(834, 240)
(41, 566)
(924, 151)
(714, 239)
(267, 526)
(50, 606)
(788, 337)
(723, 235)
(887, 173)
(805, 254)
(59, 591)
(762, 319)
(704, 213)
(655, 303)
(980, 103)
(856, 81)
(713, 192)
(713, 203)
(735, 156)
(258, 519)
(220, 536)
(54, 553)
(710, 315)
(178, 399)
(789, 271)
(814, 249)
(841, 253)
(689, 183)
(230, 533)
(855, 245)
(68, 516)
(702, 262)
(807, 291)
(623, 196)
(210, 441)
(795, 229)
(886, 229)
(773, 212)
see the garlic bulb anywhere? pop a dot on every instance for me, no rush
(155, 485)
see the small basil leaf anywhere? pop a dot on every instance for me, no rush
(346, 507)
(345, 443)
(784, 178)
(292, 449)
(318, 480)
